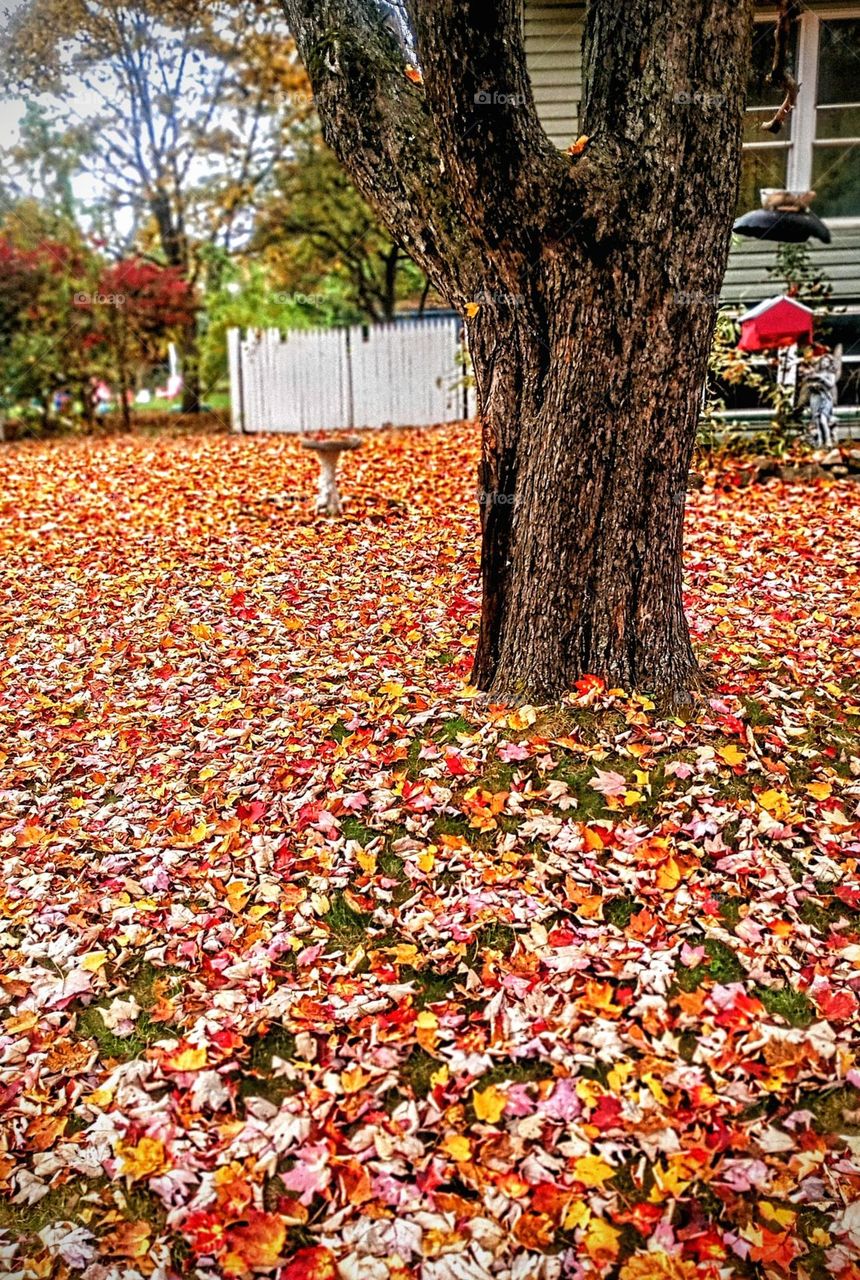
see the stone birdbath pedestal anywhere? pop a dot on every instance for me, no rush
(328, 451)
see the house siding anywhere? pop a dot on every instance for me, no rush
(553, 41)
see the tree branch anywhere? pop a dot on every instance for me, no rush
(377, 121)
(472, 56)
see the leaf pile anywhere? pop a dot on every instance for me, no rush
(314, 966)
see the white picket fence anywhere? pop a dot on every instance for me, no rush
(407, 374)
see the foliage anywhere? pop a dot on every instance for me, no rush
(320, 237)
(48, 267)
(175, 107)
(246, 298)
(67, 315)
(173, 110)
(314, 964)
(795, 274)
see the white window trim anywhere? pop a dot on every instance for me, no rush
(802, 141)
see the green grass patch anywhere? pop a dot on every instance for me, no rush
(352, 828)
(433, 986)
(415, 1073)
(257, 1080)
(826, 913)
(90, 1026)
(620, 911)
(495, 936)
(835, 1110)
(452, 729)
(515, 1071)
(720, 965)
(71, 1202)
(347, 927)
(787, 1003)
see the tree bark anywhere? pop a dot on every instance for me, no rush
(593, 283)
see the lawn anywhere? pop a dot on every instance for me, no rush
(315, 966)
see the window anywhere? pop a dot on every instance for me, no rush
(819, 148)
(836, 150)
(766, 155)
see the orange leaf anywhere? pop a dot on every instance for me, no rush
(311, 1264)
(256, 1244)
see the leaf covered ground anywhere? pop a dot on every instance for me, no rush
(314, 967)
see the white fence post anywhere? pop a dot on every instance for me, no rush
(234, 360)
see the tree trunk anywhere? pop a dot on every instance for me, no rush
(588, 432)
(588, 282)
(189, 351)
(392, 262)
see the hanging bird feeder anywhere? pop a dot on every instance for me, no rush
(785, 217)
(776, 322)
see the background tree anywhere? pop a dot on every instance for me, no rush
(47, 341)
(316, 229)
(588, 361)
(138, 307)
(177, 106)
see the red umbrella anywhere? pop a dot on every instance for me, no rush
(776, 322)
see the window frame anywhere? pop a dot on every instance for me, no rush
(801, 143)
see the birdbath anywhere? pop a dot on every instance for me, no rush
(328, 453)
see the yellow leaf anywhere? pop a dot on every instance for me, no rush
(237, 894)
(593, 1171)
(457, 1147)
(576, 1216)
(783, 1217)
(100, 1098)
(819, 790)
(776, 802)
(367, 861)
(257, 1245)
(601, 1240)
(619, 1073)
(404, 953)
(590, 1091)
(21, 1022)
(657, 1265)
(442, 1076)
(392, 689)
(472, 309)
(656, 1088)
(184, 1059)
(489, 1104)
(576, 148)
(353, 1079)
(645, 703)
(732, 755)
(426, 1027)
(632, 797)
(668, 874)
(93, 961)
(427, 861)
(143, 1160)
(523, 717)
